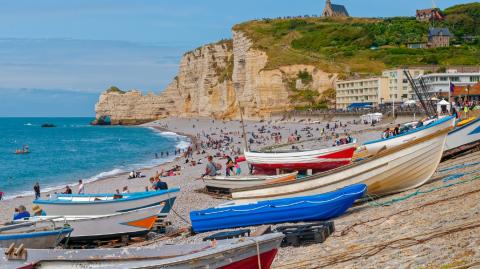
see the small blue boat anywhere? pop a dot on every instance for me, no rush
(306, 208)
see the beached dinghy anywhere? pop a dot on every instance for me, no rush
(105, 204)
(306, 208)
(317, 160)
(86, 228)
(464, 137)
(239, 253)
(393, 170)
(224, 183)
(38, 235)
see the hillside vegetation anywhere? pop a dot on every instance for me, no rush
(347, 45)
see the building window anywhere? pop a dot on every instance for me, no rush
(474, 79)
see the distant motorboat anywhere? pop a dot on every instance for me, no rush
(48, 125)
(105, 204)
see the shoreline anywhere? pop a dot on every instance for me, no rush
(105, 175)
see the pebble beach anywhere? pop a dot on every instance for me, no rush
(436, 225)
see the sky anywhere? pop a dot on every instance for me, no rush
(66, 52)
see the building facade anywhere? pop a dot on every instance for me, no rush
(439, 83)
(371, 90)
(439, 37)
(399, 88)
(429, 14)
(333, 10)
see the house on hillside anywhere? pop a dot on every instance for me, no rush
(430, 14)
(439, 37)
(333, 10)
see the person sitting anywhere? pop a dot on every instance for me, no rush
(160, 185)
(22, 213)
(38, 211)
(125, 190)
(210, 169)
(68, 190)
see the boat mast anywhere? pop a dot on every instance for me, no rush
(236, 86)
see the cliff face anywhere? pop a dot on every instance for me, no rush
(212, 80)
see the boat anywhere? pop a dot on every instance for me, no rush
(464, 137)
(36, 235)
(48, 125)
(316, 160)
(105, 204)
(307, 208)
(224, 183)
(238, 253)
(89, 228)
(24, 150)
(393, 170)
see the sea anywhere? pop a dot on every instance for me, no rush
(74, 150)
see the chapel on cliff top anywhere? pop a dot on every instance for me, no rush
(333, 10)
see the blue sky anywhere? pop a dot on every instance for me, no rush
(75, 49)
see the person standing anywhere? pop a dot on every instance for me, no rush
(36, 188)
(210, 169)
(81, 187)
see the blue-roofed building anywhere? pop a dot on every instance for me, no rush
(333, 10)
(439, 37)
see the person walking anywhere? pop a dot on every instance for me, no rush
(36, 188)
(81, 187)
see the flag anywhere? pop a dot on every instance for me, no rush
(452, 87)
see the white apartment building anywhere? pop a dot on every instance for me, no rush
(372, 91)
(399, 87)
(440, 82)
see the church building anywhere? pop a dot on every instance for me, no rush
(333, 10)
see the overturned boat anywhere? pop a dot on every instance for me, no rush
(316, 160)
(250, 252)
(307, 208)
(395, 169)
(224, 184)
(105, 204)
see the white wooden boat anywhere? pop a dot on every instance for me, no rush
(86, 228)
(406, 166)
(250, 252)
(227, 183)
(317, 160)
(105, 204)
(464, 137)
(37, 235)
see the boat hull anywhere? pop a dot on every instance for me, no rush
(393, 170)
(87, 228)
(317, 160)
(227, 254)
(61, 207)
(463, 138)
(227, 183)
(35, 240)
(309, 208)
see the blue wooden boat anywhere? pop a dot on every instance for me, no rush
(306, 208)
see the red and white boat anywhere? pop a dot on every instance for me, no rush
(318, 160)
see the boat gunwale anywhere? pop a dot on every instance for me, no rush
(464, 126)
(320, 151)
(138, 196)
(57, 231)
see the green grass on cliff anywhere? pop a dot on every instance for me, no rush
(363, 45)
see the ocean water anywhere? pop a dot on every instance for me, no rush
(75, 150)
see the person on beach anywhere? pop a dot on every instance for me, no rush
(81, 187)
(36, 189)
(229, 166)
(38, 211)
(67, 190)
(238, 170)
(211, 168)
(125, 190)
(22, 213)
(161, 185)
